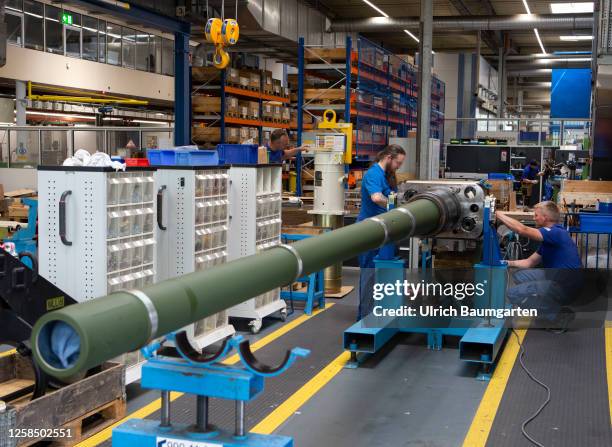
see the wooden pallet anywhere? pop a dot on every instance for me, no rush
(327, 54)
(85, 406)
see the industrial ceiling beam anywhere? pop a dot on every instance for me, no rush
(488, 37)
(473, 23)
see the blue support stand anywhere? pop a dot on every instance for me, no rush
(481, 339)
(182, 90)
(24, 239)
(315, 290)
(205, 378)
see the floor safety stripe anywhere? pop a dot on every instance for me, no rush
(483, 419)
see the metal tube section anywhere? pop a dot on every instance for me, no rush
(124, 321)
(202, 414)
(240, 418)
(165, 409)
(483, 23)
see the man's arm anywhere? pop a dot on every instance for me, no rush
(379, 199)
(530, 262)
(519, 228)
(290, 153)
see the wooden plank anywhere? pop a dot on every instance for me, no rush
(582, 198)
(24, 192)
(13, 385)
(327, 54)
(301, 229)
(206, 104)
(590, 186)
(324, 94)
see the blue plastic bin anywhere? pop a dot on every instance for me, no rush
(500, 176)
(161, 157)
(605, 207)
(596, 222)
(237, 153)
(197, 158)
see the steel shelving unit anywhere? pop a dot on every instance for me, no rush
(380, 92)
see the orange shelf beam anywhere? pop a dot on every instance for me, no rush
(253, 94)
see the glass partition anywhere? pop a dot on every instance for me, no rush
(24, 148)
(54, 36)
(90, 140)
(53, 147)
(4, 148)
(33, 25)
(124, 143)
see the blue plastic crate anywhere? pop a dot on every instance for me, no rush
(500, 176)
(596, 222)
(197, 158)
(237, 153)
(161, 157)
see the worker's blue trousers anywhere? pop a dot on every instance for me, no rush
(533, 289)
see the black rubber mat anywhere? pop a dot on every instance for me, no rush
(573, 365)
(321, 334)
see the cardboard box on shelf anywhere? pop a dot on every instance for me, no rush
(262, 155)
(254, 81)
(206, 134)
(254, 109)
(268, 112)
(244, 82)
(205, 104)
(254, 133)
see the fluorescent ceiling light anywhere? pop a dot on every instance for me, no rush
(527, 7)
(149, 122)
(571, 8)
(535, 30)
(411, 35)
(373, 6)
(65, 115)
(575, 38)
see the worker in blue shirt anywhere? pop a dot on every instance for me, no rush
(278, 149)
(531, 172)
(377, 183)
(553, 286)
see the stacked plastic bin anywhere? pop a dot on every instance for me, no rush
(255, 203)
(97, 233)
(192, 227)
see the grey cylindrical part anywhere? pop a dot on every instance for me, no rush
(333, 273)
(165, 420)
(110, 326)
(474, 23)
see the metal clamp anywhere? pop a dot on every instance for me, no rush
(384, 226)
(300, 264)
(151, 310)
(408, 213)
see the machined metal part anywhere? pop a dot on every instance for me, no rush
(384, 226)
(460, 202)
(298, 258)
(151, 311)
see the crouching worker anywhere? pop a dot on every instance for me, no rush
(559, 278)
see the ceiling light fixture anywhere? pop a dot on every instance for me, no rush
(571, 8)
(373, 6)
(575, 38)
(411, 35)
(535, 30)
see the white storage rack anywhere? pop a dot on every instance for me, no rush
(193, 215)
(97, 233)
(255, 225)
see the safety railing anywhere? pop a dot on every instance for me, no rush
(30, 146)
(543, 131)
(594, 247)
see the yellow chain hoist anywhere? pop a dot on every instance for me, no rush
(222, 32)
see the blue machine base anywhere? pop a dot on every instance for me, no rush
(148, 433)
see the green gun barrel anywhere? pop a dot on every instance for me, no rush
(124, 321)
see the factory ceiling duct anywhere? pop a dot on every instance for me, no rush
(472, 23)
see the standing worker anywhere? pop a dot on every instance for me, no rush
(531, 172)
(559, 279)
(278, 149)
(377, 184)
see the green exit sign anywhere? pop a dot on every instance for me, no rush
(66, 18)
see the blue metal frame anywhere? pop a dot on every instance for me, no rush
(481, 339)
(315, 291)
(182, 71)
(300, 118)
(223, 106)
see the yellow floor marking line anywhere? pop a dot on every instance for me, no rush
(151, 408)
(608, 331)
(483, 419)
(301, 396)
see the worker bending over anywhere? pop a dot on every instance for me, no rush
(549, 288)
(377, 183)
(531, 172)
(278, 149)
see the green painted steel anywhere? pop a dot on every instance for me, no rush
(112, 325)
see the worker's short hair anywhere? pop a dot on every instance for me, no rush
(277, 134)
(550, 209)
